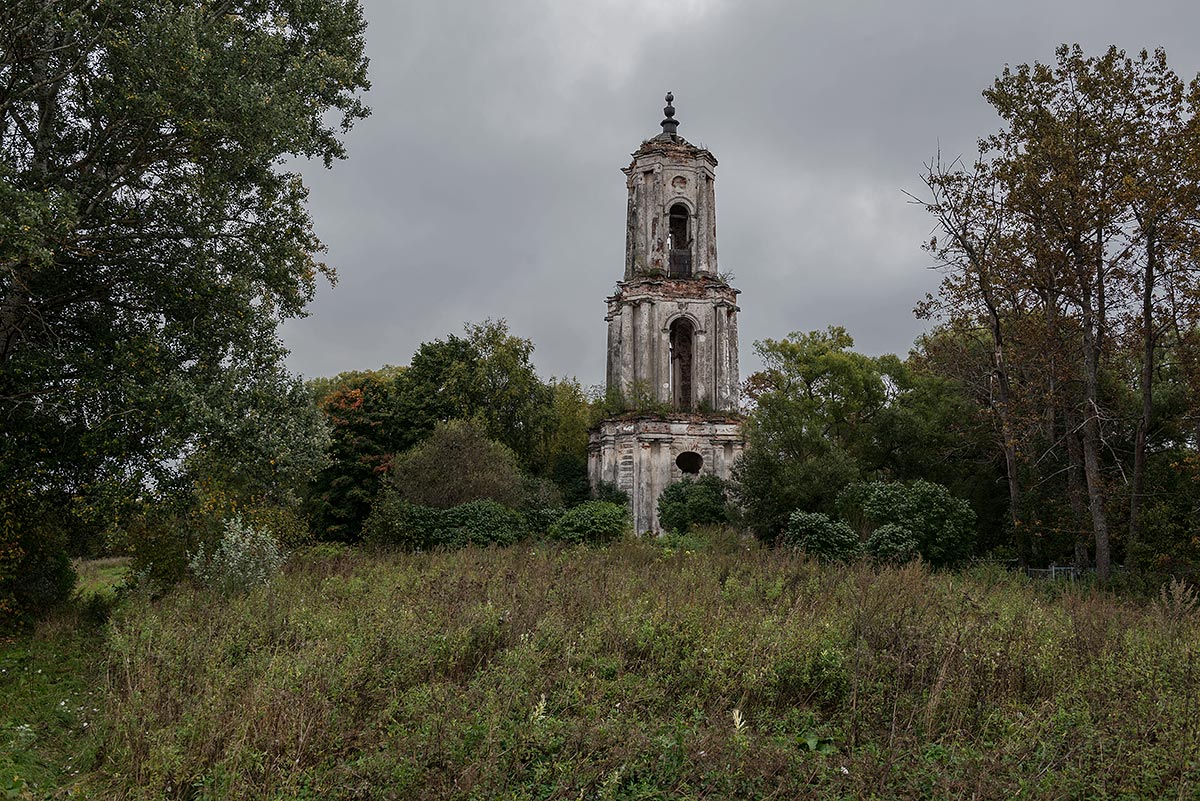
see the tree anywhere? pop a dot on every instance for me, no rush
(488, 376)
(561, 455)
(825, 416)
(150, 244)
(693, 502)
(1076, 227)
(457, 464)
(359, 409)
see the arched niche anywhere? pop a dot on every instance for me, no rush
(682, 339)
(679, 236)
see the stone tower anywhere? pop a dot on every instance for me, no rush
(672, 333)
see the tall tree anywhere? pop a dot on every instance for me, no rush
(150, 242)
(1091, 169)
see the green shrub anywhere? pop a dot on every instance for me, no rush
(244, 558)
(609, 492)
(458, 464)
(891, 543)
(693, 502)
(479, 523)
(819, 535)
(35, 572)
(159, 542)
(594, 523)
(539, 520)
(396, 523)
(943, 525)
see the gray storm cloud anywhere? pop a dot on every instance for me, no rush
(487, 182)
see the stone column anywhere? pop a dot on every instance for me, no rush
(700, 222)
(732, 337)
(719, 355)
(626, 380)
(611, 371)
(663, 353)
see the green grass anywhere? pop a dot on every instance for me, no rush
(100, 578)
(630, 672)
(51, 706)
(51, 689)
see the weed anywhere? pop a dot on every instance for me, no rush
(551, 671)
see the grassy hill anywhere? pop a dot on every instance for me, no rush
(630, 672)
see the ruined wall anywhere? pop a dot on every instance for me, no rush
(639, 456)
(639, 319)
(670, 275)
(662, 174)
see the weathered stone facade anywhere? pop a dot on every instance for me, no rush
(642, 455)
(672, 333)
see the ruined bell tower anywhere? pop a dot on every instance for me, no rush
(672, 333)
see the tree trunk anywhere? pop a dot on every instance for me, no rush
(1007, 433)
(1076, 490)
(1093, 322)
(1138, 481)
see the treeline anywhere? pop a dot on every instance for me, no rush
(526, 442)
(1070, 309)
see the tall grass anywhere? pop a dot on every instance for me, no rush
(535, 672)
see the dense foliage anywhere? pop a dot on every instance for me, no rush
(592, 523)
(693, 502)
(466, 412)
(1069, 306)
(942, 526)
(892, 543)
(397, 523)
(826, 416)
(457, 463)
(150, 243)
(820, 536)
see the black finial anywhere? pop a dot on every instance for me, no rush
(670, 124)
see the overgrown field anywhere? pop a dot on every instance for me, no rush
(634, 672)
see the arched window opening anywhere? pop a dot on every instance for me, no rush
(682, 336)
(680, 242)
(690, 462)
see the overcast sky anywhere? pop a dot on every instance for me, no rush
(487, 181)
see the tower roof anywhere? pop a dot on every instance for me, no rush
(669, 141)
(669, 124)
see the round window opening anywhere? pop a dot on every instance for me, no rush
(690, 462)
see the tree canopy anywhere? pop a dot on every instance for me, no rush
(150, 240)
(1071, 246)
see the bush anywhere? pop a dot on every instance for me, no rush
(396, 523)
(819, 535)
(479, 523)
(160, 541)
(539, 520)
(943, 525)
(593, 523)
(608, 492)
(244, 558)
(35, 572)
(892, 543)
(692, 502)
(458, 464)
